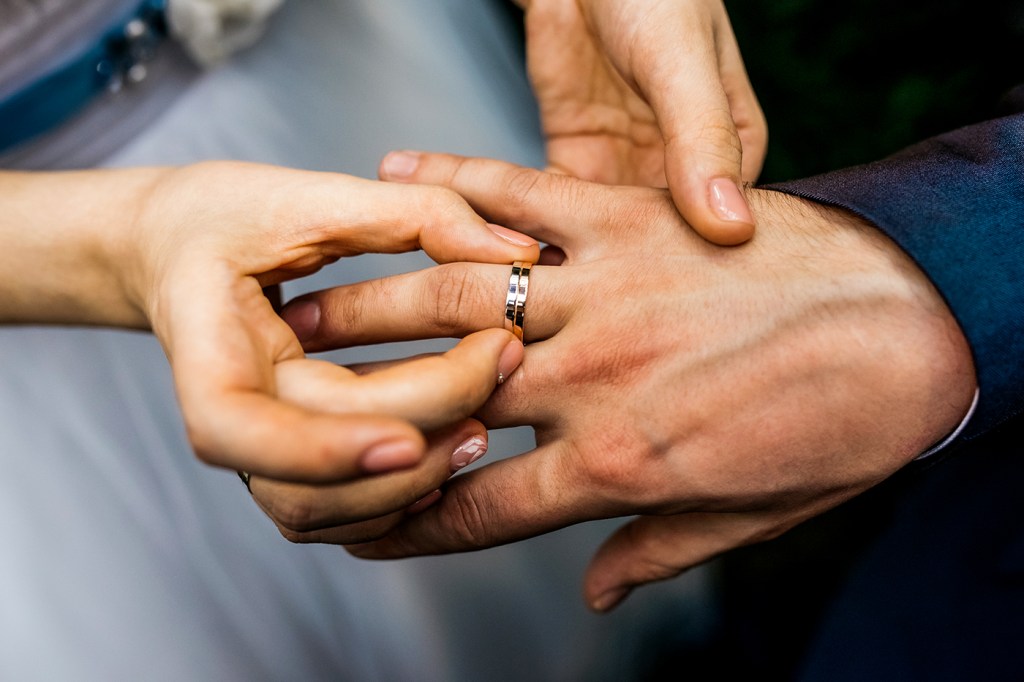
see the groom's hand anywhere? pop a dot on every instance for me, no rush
(650, 93)
(723, 395)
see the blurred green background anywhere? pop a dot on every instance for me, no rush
(849, 82)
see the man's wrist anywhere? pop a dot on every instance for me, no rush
(901, 308)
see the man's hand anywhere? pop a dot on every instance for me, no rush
(723, 395)
(643, 93)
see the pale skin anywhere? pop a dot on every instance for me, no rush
(723, 395)
(186, 252)
(650, 93)
(137, 250)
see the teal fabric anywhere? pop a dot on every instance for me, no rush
(66, 90)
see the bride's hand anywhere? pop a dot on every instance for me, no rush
(188, 253)
(211, 237)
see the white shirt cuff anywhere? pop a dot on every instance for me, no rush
(956, 432)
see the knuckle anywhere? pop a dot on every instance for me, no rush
(203, 440)
(346, 309)
(610, 471)
(616, 469)
(467, 518)
(443, 202)
(454, 293)
(292, 512)
(712, 135)
(520, 186)
(294, 537)
(639, 213)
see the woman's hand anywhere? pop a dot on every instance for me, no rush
(722, 395)
(188, 252)
(643, 93)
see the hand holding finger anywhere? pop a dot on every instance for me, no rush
(688, 67)
(450, 300)
(366, 509)
(504, 193)
(503, 502)
(393, 218)
(429, 392)
(201, 272)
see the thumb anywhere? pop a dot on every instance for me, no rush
(702, 166)
(683, 82)
(652, 548)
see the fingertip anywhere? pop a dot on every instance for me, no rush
(727, 202)
(391, 455)
(726, 234)
(723, 217)
(524, 247)
(509, 350)
(303, 316)
(510, 359)
(399, 166)
(511, 236)
(609, 599)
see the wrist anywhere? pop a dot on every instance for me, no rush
(68, 244)
(888, 315)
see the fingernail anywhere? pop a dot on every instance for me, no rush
(511, 357)
(399, 164)
(728, 202)
(395, 454)
(511, 236)
(424, 502)
(467, 453)
(303, 317)
(609, 599)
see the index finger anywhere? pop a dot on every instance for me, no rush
(378, 217)
(555, 208)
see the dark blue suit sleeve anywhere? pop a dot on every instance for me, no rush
(955, 204)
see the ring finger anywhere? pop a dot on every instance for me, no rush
(450, 300)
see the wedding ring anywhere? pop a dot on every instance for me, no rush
(244, 475)
(515, 297)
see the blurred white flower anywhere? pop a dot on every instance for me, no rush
(211, 30)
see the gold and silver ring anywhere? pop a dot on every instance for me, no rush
(515, 297)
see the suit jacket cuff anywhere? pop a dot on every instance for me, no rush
(955, 204)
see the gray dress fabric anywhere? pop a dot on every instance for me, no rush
(125, 558)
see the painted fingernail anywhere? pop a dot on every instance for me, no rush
(467, 453)
(609, 599)
(424, 502)
(303, 317)
(511, 357)
(399, 165)
(391, 455)
(728, 202)
(511, 236)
